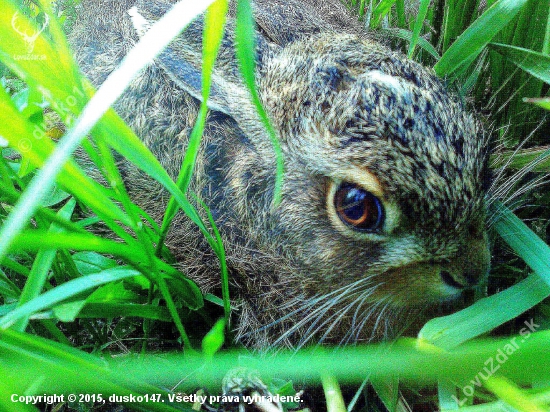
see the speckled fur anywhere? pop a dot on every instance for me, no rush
(342, 105)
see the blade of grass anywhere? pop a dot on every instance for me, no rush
(512, 394)
(446, 394)
(55, 332)
(213, 34)
(538, 158)
(70, 371)
(388, 392)
(15, 266)
(543, 102)
(401, 15)
(333, 394)
(536, 64)
(407, 358)
(41, 267)
(380, 11)
(418, 24)
(358, 394)
(525, 243)
(473, 78)
(407, 35)
(445, 37)
(64, 292)
(113, 310)
(36, 239)
(214, 339)
(246, 50)
(8, 289)
(223, 268)
(5, 174)
(154, 40)
(472, 41)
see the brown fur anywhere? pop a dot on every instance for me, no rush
(345, 108)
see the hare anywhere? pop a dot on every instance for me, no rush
(382, 212)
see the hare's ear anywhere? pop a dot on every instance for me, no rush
(183, 71)
(181, 60)
(284, 21)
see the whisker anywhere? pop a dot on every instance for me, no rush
(321, 305)
(341, 313)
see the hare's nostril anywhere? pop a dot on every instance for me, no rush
(471, 278)
(449, 280)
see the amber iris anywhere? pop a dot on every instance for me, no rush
(358, 208)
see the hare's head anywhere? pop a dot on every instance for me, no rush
(383, 197)
(385, 170)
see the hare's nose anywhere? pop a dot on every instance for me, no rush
(469, 267)
(448, 279)
(461, 281)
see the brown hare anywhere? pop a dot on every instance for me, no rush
(382, 212)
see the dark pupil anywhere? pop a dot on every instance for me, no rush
(353, 204)
(358, 208)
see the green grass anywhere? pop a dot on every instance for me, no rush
(72, 298)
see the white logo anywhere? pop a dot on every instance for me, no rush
(30, 39)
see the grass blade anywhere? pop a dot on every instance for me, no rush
(65, 291)
(537, 159)
(446, 394)
(525, 243)
(512, 395)
(543, 102)
(37, 366)
(113, 310)
(536, 64)
(41, 266)
(380, 11)
(407, 35)
(151, 44)
(471, 43)
(333, 394)
(448, 332)
(213, 34)
(245, 39)
(418, 24)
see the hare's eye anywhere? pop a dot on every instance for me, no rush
(357, 208)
